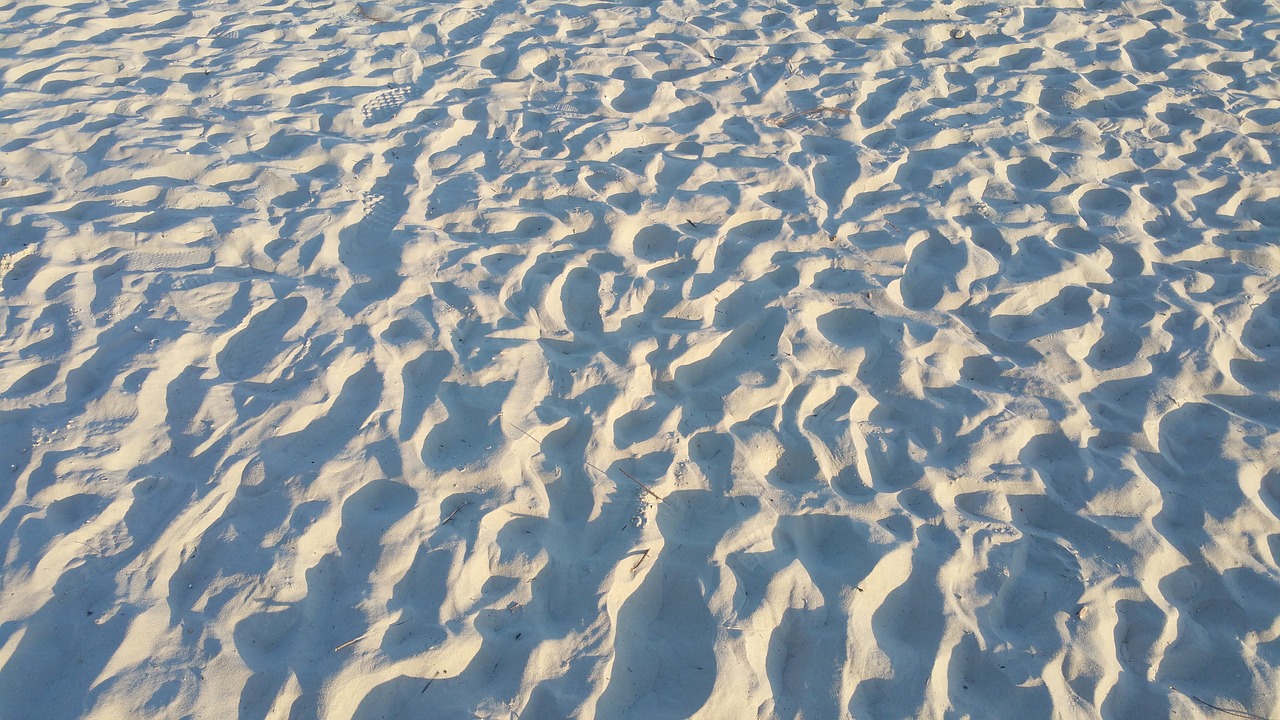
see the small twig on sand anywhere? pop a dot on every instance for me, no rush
(644, 487)
(351, 642)
(455, 512)
(96, 550)
(812, 111)
(593, 467)
(522, 430)
(643, 555)
(632, 479)
(1234, 713)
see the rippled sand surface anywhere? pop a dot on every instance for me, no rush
(546, 359)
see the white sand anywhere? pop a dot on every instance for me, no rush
(338, 341)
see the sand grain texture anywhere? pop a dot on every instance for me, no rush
(639, 360)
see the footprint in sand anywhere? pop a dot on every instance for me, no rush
(387, 104)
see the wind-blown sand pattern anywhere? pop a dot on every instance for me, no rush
(347, 350)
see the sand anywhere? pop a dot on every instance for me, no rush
(639, 360)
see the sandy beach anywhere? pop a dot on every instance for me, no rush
(536, 359)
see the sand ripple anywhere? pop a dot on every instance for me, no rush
(348, 348)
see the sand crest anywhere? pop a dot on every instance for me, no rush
(542, 359)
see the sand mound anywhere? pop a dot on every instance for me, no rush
(639, 360)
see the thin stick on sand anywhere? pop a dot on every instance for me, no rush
(812, 111)
(455, 512)
(644, 487)
(632, 479)
(523, 431)
(351, 642)
(1235, 713)
(643, 555)
(593, 467)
